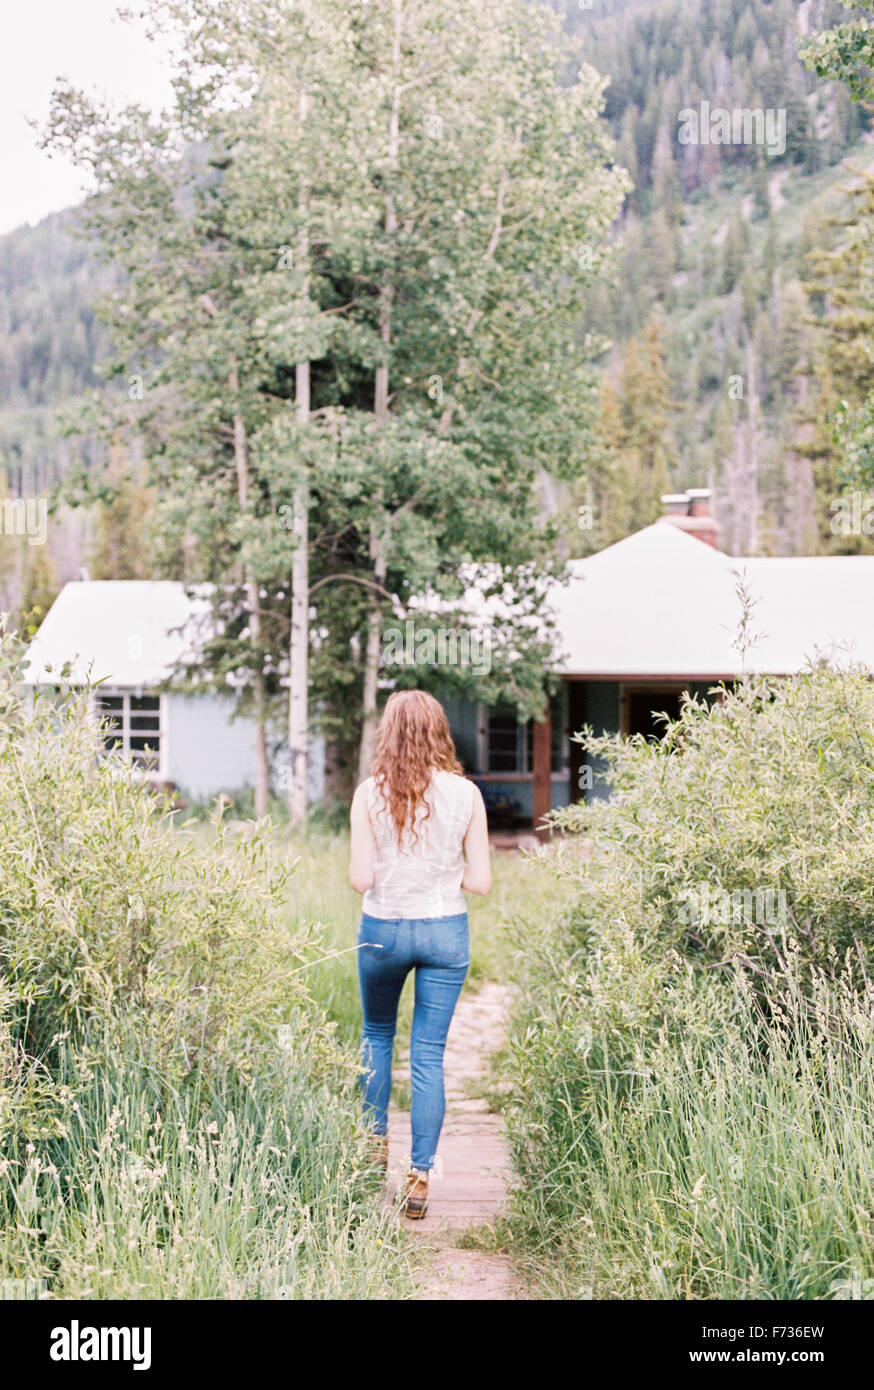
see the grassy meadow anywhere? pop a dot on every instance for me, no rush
(179, 1103)
(179, 1117)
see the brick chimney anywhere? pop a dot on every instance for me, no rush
(690, 511)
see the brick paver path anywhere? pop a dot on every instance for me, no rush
(469, 1182)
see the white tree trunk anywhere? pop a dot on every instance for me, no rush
(370, 716)
(753, 453)
(253, 608)
(299, 649)
(370, 723)
(298, 655)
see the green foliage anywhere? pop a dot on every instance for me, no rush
(216, 1190)
(672, 54)
(50, 346)
(723, 259)
(844, 53)
(28, 580)
(177, 1118)
(840, 285)
(412, 233)
(727, 1157)
(29, 1095)
(674, 250)
(757, 792)
(121, 547)
(108, 913)
(633, 458)
(51, 338)
(689, 1055)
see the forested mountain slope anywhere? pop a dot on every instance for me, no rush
(719, 371)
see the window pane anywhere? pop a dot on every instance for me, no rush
(147, 723)
(141, 717)
(503, 741)
(145, 702)
(109, 711)
(110, 702)
(144, 754)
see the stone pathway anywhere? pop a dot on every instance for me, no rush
(469, 1182)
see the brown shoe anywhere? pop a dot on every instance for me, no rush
(415, 1202)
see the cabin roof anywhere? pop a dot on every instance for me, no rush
(128, 632)
(663, 603)
(660, 604)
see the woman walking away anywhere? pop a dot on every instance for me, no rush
(419, 836)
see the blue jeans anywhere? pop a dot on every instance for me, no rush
(439, 951)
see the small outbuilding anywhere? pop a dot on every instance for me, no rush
(128, 639)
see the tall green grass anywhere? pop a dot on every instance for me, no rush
(691, 1103)
(736, 1165)
(220, 1189)
(177, 1116)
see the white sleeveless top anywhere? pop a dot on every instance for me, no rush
(421, 877)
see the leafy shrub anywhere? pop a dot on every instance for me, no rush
(29, 1096)
(229, 1189)
(109, 912)
(726, 1161)
(649, 1039)
(761, 809)
(176, 1116)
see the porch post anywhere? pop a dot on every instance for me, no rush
(542, 769)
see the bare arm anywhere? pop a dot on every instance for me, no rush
(478, 869)
(361, 847)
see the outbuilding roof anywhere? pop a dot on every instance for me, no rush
(126, 632)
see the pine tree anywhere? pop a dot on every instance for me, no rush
(122, 545)
(647, 409)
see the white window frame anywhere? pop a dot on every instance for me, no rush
(159, 773)
(521, 768)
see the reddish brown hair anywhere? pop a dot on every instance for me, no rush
(414, 741)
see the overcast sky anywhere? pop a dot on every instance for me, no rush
(41, 40)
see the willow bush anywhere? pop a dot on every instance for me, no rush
(692, 1060)
(107, 912)
(177, 1117)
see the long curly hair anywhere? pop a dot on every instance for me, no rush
(414, 741)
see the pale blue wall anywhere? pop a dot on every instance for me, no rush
(209, 752)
